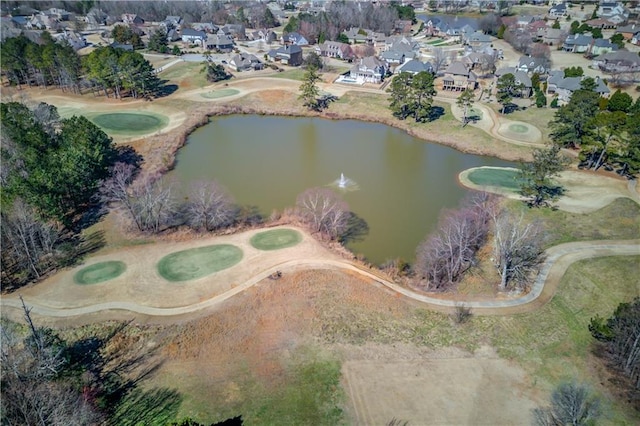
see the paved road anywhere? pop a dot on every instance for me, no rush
(559, 258)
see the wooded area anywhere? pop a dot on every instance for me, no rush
(112, 70)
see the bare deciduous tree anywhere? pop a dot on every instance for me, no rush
(27, 241)
(30, 395)
(571, 404)
(324, 211)
(518, 249)
(209, 207)
(439, 59)
(445, 255)
(147, 202)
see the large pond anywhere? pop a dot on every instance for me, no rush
(403, 182)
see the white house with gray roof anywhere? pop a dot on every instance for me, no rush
(414, 66)
(369, 70)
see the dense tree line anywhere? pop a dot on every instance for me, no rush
(50, 63)
(342, 16)
(607, 133)
(412, 95)
(45, 64)
(620, 337)
(51, 170)
(121, 71)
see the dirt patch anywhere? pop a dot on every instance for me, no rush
(439, 391)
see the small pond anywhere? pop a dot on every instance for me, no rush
(401, 183)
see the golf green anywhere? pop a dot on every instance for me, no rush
(505, 178)
(99, 272)
(198, 262)
(220, 93)
(518, 128)
(130, 122)
(276, 239)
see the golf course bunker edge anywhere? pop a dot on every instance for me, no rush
(199, 262)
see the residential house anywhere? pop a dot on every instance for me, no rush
(611, 10)
(265, 35)
(207, 27)
(521, 78)
(564, 87)
(620, 61)
(42, 22)
(220, 42)
(602, 23)
(530, 65)
(636, 39)
(478, 62)
(558, 11)
(193, 37)
(236, 31)
(553, 36)
(131, 19)
(74, 39)
(243, 62)
(59, 14)
(359, 35)
(601, 46)
(401, 43)
(172, 21)
(414, 66)
(402, 26)
(459, 77)
(122, 46)
(295, 39)
(478, 41)
(577, 43)
(288, 55)
(20, 21)
(368, 70)
(628, 31)
(335, 49)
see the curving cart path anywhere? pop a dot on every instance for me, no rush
(559, 258)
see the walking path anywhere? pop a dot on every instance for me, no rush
(559, 258)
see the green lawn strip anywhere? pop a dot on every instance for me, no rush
(214, 94)
(99, 272)
(276, 239)
(294, 74)
(180, 70)
(618, 220)
(554, 342)
(198, 262)
(501, 177)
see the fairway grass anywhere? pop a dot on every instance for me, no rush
(276, 239)
(198, 262)
(99, 272)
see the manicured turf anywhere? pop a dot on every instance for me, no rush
(198, 262)
(506, 178)
(99, 272)
(130, 122)
(518, 128)
(276, 239)
(220, 93)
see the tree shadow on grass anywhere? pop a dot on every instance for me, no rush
(435, 113)
(165, 89)
(111, 368)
